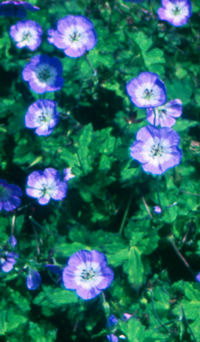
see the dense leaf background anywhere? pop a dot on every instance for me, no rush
(109, 205)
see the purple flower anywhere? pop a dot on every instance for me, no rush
(45, 185)
(157, 209)
(156, 149)
(112, 320)
(42, 116)
(87, 273)
(176, 12)
(7, 261)
(33, 280)
(68, 174)
(74, 34)
(198, 277)
(146, 90)
(9, 196)
(127, 316)
(44, 74)
(16, 8)
(54, 269)
(27, 33)
(165, 115)
(12, 240)
(112, 338)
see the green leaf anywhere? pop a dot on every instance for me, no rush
(55, 297)
(134, 268)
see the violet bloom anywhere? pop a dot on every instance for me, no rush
(45, 185)
(44, 74)
(176, 12)
(26, 33)
(157, 209)
(9, 196)
(198, 277)
(112, 338)
(12, 241)
(7, 261)
(42, 116)
(166, 115)
(68, 174)
(146, 90)
(16, 8)
(33, 280)
(156, 149)
(74, 34)
(87, 273)
(112, 320)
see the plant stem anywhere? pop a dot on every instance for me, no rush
(125, 215)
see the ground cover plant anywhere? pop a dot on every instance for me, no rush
(100, 162)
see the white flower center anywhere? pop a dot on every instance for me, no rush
(45, 74)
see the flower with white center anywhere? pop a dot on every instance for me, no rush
(156, 149)
(44, 74)
(176, 12)
(87, 273)
(26, 33)
(146, 90)
(74, 34)
(45, 185)
(42, 116)
(166, 115)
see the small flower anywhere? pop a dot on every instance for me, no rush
(157, 209)
(74, 34)
(9, 196)
(44, 74)
(7, 261)
(112, 320)
(42, 116)
(156, 149)
(45, 185)
(12, 240)
(68, 174)
(87, 273)
(33, 280)
(112, 338)
(27, 33)
(127, 316)
(16, 8)
(198, 277)
(176, 12)
(146, 90)
(165, 115)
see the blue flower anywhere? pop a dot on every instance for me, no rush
(42, 116)
(33, 280)
(176, 12)
(45, 185)
(16, 8)
(112, 338)
(112, 320)
(74, 34)
(87, 273)
(157, 209)
(156, 149)
(26, 33)
(146, 90)
(9, 196)
(165, 115)
(12, 240)
(7, 261)
(44, 74)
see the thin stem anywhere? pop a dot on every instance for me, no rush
(13, 225)
(187, 323)
(90, 65)
(125, 215)
(158, 191)
(155, 312)
(147, 207)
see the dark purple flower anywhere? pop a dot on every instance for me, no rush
(68, 174)
(42, 116)
(9, 196)
(146, 90)
(7, 261)
(176, 12)
(87, 273)
(54, 269)
(74, 34)
(33, 280)
(156, 149)
(112, 338)
(26, 33)
(166, 115)
(45, 185)
(44, 74)
(16, 8)
(157, 209)
(112, 320)
(12, 240)
(198, 277)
